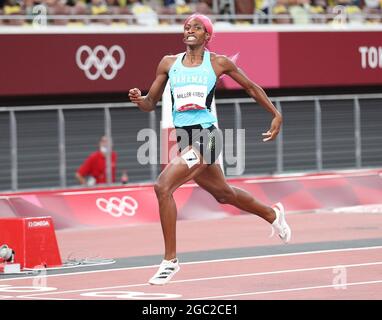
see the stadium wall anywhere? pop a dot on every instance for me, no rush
(55, 61)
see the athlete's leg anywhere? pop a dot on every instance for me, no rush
(174, 175)
(213, 181)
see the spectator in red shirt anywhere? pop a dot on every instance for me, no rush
(93, 169)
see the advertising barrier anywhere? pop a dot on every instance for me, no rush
(137, 204)
(85, 63)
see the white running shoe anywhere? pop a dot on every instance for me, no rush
(280, 225)
(166, 271)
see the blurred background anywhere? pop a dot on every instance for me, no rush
(66, 67)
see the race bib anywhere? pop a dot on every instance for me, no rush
(191, 97)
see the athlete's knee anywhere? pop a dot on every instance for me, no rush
(225, 195)
(161, 190)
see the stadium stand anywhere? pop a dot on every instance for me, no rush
(156, 12)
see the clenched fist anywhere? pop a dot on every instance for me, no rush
(135, 95)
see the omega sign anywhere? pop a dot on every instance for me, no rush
(100, 61)
(371, 57)
(38, 224)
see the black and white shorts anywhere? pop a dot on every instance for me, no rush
(207, 141)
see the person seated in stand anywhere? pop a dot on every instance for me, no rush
(13, 8)
(93, 170)
(99, 8)
(143, 13)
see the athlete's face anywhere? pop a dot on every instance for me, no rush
(195, 33)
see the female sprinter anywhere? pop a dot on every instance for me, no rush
(193, 75)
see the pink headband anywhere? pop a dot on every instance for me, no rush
(204, 20)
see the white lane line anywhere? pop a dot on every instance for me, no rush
(211, 278)
(288, 290)
(40, 298)
(145, 284)
(202, 262)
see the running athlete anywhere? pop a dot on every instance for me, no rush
(193, 76)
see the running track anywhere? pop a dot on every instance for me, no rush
(331, 256)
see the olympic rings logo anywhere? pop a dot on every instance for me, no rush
(117, 207)
(93, 61)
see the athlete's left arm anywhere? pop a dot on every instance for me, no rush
(256, 92)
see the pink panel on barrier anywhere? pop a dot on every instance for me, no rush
(257, 53)
(137, 204)
(119, 206)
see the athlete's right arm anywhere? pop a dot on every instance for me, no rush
(149, 102)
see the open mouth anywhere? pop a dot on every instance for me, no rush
(191, 38)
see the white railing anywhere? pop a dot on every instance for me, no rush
(106, 107)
